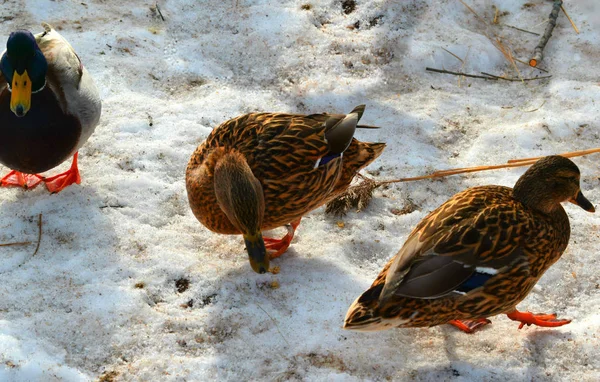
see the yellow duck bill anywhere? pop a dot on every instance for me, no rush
(20, 99)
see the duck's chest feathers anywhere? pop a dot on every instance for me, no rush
(40, 140)
(550, 242)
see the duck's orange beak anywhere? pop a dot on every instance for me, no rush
(582, 202)
(20, 99)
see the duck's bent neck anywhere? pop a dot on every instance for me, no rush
(239, 193)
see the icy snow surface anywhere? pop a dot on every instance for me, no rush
(101, 299)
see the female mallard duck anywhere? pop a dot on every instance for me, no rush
(477, 255)
(260, 171)
(49, 107)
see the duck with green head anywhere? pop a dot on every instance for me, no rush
(477, 255)
(49, 107)
(261, 171)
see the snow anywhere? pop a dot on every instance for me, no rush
(99, 298)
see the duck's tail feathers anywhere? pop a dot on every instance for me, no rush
(368, 152)
(339, 136)
(362, 314)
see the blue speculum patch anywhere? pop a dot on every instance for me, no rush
(326, 159)
(473, 282)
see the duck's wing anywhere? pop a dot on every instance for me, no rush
(70, 81)
(457, 248)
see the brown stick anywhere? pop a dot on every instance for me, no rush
(455, 171)
(459, 74)
(515, 79)
(159, 12)
(39, 235)
(511, 163)
(519, 29)
(11, 244)
(566, 155)
(538, 52)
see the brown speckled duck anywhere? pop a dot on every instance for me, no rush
(260, 171)
(477, 255)
(49, 107)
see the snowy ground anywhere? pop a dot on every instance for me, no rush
(101, 299)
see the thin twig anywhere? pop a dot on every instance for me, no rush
(365, 189)
(515, 79)
(536, 109)
(495, 40)
(472, 11)
(274, 322)
(39, 235)
(571, 21)
(457, 73)
(455, 56)
(508, 55)
(538, 52)
(19, 243)
(519, 29)
(159, 12)
(570, 154)
(462, 66)
(509, 164)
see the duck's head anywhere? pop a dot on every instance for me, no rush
(549, 182)
(24, 67)
(240, 196)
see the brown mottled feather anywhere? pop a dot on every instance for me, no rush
(282, 150)
(481, 227)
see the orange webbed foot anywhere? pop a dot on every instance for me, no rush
(276, 247)
(58, 182)
(544, 320)
(469, 326)
(19, 179)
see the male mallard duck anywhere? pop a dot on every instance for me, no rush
(49, 107)
(477, 255)
(260, 171)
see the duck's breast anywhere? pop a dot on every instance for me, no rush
(42, 139)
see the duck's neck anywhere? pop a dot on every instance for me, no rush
(239, 193)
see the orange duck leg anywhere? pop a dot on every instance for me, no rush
(20, 179)
(276, 247)
(469, 326)
(528, 318)
(58, 182)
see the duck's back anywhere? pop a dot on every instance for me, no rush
(285, 153)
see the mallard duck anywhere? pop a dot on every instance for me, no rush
(49, 107)
(477, 255)
(260, 171)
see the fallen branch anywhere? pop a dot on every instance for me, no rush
(360, 195)
(515, 79)
(457, 73)
(538, 52)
